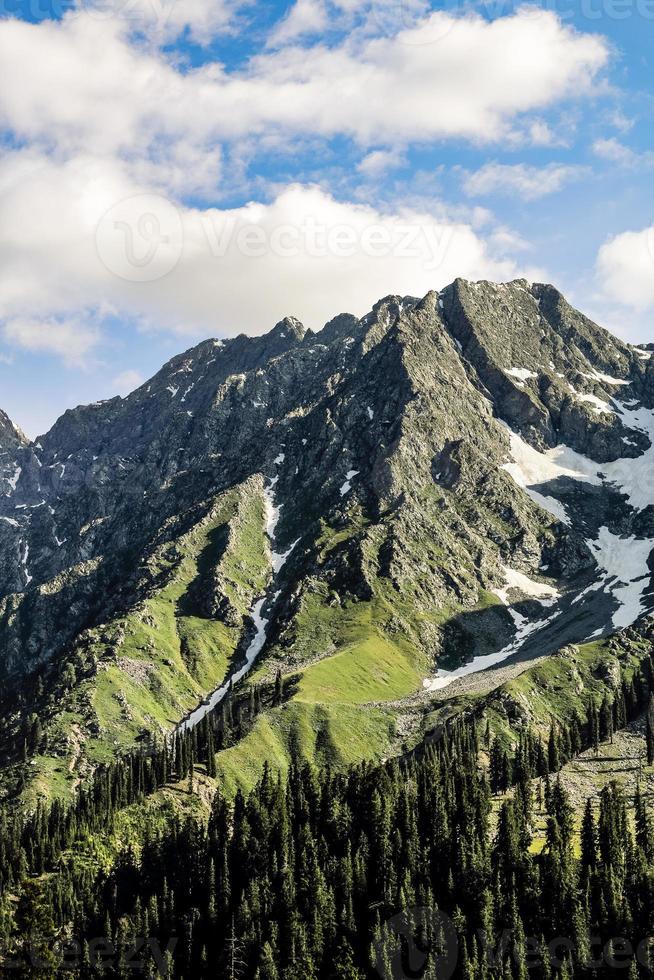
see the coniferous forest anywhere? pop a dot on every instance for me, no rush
(425, 866)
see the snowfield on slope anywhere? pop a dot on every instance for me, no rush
(622, 560)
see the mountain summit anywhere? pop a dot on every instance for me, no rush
(374, 513)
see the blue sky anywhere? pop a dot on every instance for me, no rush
(177, 169)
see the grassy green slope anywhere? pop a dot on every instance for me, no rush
(156, 663)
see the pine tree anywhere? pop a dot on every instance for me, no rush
(553, 754)
(267, 968)
(644, 831)
(344, 967)
(606, 720)
(649, 726)
(588, 839)
(211, 756)
(279, 688)
(593, 727)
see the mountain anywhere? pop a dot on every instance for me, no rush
(369, 517)
(317, 639)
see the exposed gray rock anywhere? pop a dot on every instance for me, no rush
(390, 436)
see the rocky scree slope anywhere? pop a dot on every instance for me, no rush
(442, 485)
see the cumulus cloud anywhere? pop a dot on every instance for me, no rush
(416, 85)
(305, 17)
(79, 235)
(625, 268)
(616, 152)
(165, 20)
(91, 223)
(71, 340)
(529, 183)
(378, 162)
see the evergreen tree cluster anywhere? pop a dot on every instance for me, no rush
(305, 876)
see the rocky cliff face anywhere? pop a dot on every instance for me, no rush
(476, 463)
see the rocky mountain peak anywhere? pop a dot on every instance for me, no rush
(423, 449)
(289, 325)
(343, 325)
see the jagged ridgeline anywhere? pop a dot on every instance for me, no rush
(340, 532)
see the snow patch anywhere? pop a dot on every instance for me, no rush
(523, 629)
(13, 480)
(606, 378)
(530, 468)
(254, 649)
(518, 580)
(599, 406)
(24, 557)
(624, 561)
(522, 374)
(347, 486)
(630, 476)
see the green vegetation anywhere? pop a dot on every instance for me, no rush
(562, 685)
(288, 877)
(321, 735)
(372, 669)
(143, 671)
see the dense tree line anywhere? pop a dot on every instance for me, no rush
(302, 878)
(313, 875)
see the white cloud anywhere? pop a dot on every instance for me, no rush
(613, 150)
(616, 152)
(71, 340)
(305, 17)
(529, 183)
(127, 381)
(620, 121)
(378, 162)
(625, 268)
(540, 133)
(416, 85)
(121, 121)
(164, 20)
(65, 247)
